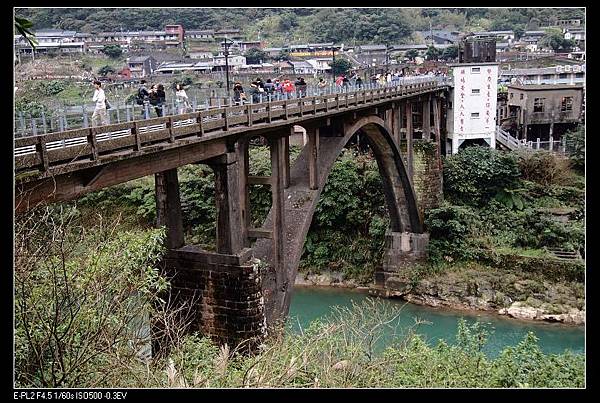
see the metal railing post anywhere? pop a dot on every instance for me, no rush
(85, 118)
(22, 122)
(44, 121)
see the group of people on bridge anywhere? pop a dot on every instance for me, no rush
(259, 91)
(154, 97)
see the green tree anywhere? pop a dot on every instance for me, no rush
(519, 32)
(104, 70)
(432, 53)
(112, 51)
(283, 56)
(341, 66)
(575, 147)
(555, 40)
(255, 56)
(450, 53)
(412, 54)
(476, 174)
(23, 26)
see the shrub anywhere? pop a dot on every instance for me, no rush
(81, 295)
(544, 167)
(452, 230)
(575, 147)
(476, 174)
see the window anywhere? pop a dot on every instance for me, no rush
(449, 104)
(475, 70)
(511, 95)
(521, 96)
(578, 75)
(475, 115)
(547, 76)
(563, 75)
(567, 104)
(475, 91)
(538, 104)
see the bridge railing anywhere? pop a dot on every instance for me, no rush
(505, 138)
(42, 151)
(76, 117)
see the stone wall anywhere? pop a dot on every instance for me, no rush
(427, 174)
(222, 294)
(427, 179)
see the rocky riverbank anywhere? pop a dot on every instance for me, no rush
(524, 295)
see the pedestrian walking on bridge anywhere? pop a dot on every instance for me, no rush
(182, 102)
(99, 117)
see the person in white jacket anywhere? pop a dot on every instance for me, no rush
(100, 116)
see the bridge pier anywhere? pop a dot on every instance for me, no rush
(218, 295)
(402, 250)
(409, 140)
(427, 118)
(168, 207)
(225, 169)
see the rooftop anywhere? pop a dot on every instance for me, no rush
(545, 87)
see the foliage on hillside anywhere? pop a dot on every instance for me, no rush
(276, 26)
(497, 199)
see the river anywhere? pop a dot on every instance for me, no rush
(309, 304)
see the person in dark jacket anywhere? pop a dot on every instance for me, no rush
(238, 93)
(157, 98)
(269, 87)
(300, 87)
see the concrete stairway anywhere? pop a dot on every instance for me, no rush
(564, 254)
(507, 140)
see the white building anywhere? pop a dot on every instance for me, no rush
(566, 74)
(321, 65)
(472, 105)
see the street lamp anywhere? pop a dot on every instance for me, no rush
(226, 45)
(388, 48)
(333, 61)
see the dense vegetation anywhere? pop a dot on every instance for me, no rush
(85, 283)
(498, 200)
(276, 26)
(85, 280)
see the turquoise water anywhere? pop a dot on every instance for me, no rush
(309, 304)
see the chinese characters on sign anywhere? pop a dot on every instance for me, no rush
(488, 97)
(461, 106)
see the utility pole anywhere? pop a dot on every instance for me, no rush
(430, 31)
(387, 58)
(333, 61)
(226, 45)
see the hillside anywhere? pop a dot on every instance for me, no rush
(296, 25)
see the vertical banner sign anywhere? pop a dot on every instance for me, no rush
(461, 101)
(489, 82)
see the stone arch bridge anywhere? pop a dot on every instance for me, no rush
(233, 299)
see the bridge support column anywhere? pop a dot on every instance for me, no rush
(426, 119)
(409, 140)
(168, 207)
(278, 208)
(225, 168)
(241, 150)
(437, 117)
(403, 250)
(313, 172)
(285, 157)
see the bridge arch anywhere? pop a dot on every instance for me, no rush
(301, 202)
